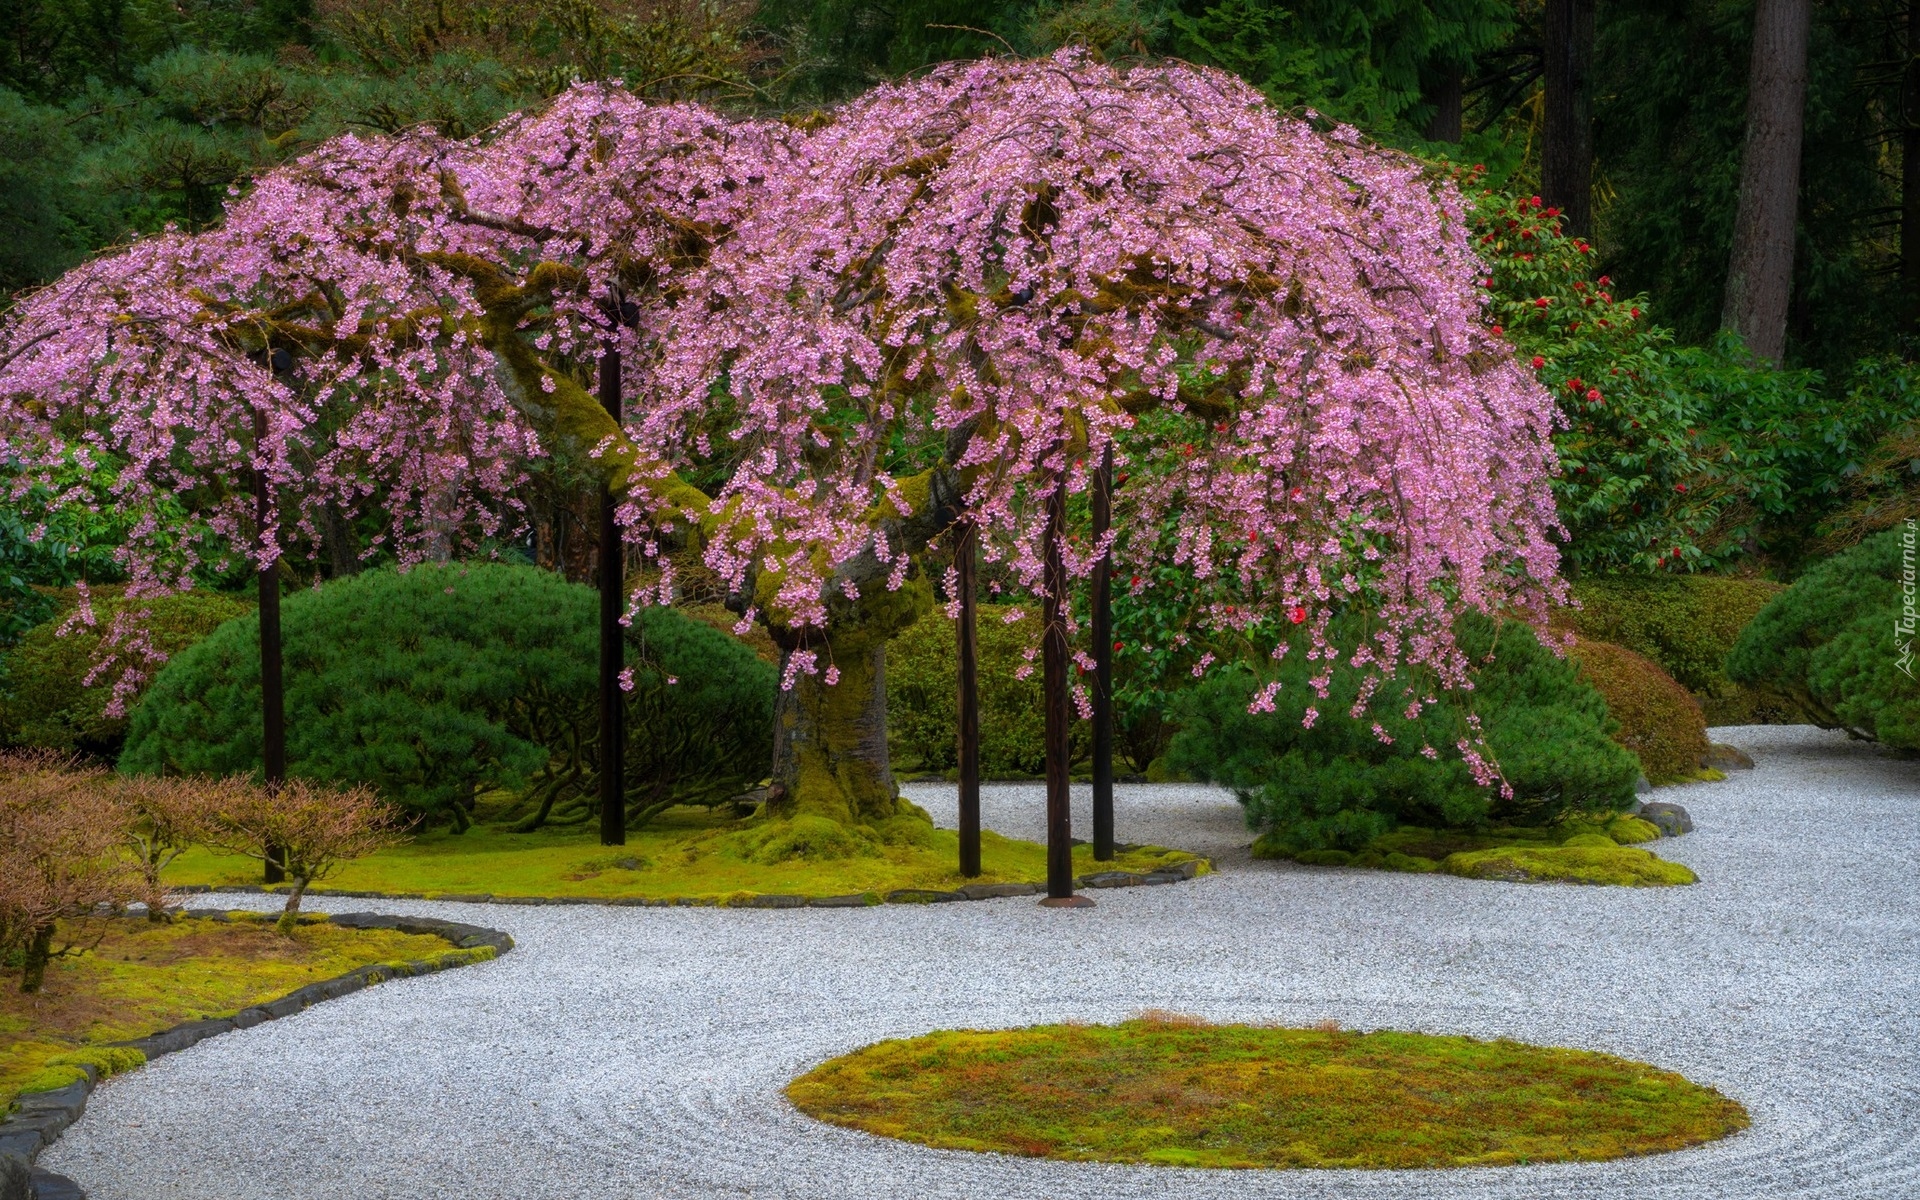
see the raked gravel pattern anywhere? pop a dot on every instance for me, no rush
(623, 1052)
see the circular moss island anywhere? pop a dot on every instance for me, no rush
(1178, 1091)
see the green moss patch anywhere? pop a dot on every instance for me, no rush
(1177, 1091)
(143, 977)
(686, 854)
(1590, 852)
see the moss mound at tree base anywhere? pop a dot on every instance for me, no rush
(1181, 1092)
(1591, 852)
(685, 853)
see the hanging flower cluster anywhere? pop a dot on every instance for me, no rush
(955, 293)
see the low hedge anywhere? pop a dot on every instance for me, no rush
(1659, 721)
(1335, 784)
(44, 698)
(1839, 644)
(923, 695)
(1687, 624)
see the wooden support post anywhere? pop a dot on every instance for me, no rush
(1055, 662)
(273, 691)
(1102, 604)
(968, 707)
(613, 731)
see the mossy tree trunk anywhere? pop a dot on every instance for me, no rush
(830, 740)
(39, 952)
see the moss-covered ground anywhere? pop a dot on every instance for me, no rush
(142, 977)
(1180, 1092)
(685, 853)
(1575, 852)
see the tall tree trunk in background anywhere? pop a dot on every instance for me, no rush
(1449, 98)
(1910, 169)
(1760, 269)
(1566, 143)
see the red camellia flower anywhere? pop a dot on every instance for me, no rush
(1538, 362)
(1119, 646)
(1542, 302)
(1636, 314)
(1296, 614)
(1497, 331)
(1593, 394)
(1680, 487)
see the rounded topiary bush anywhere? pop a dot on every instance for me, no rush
(1659, 721)
(1838, 644)
(923, 694)
(1335, 784)
(446, 681)
(1687, 624)
(45, 701)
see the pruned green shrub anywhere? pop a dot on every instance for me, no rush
(446, 681)
(923, 691)
(1658, 720)
(1839, 643)
(45, 701)
(1687, 624)
(1337, 784)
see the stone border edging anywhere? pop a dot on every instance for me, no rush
(1176, 873)
(40, 1118)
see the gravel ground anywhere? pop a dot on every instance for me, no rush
(641, 1052)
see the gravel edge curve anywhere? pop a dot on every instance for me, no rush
(41, 1117)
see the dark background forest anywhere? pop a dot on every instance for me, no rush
(1737, 168)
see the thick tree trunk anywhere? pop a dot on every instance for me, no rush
(830, 740)
(39, 951)
(1910, 169)
(290, 915)
(1566, 143)
(1760, 269)
(1449, 97)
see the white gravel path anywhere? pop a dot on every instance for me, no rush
(640, 1052)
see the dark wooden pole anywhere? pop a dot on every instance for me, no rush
(613, 732)
(1103, 665)
(968, 672)
(1054, 658)
(273, 692)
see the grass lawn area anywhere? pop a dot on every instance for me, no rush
(1180, 1092)
(144, 977)
(685, 852)
(1590, 852)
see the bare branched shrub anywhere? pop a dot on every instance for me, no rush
(60, 839)
(161, 818)
(313, 829)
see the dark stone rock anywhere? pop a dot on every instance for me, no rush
(764, 901)
(1111, 879)
(1160, 877)
(994, 891)
(1671, 818)
(473, 898)
(1727, 758)
(922, 896)
(48, 1186)
(247, 1018)
(48, 1123)
(1643, 786)
(16, 1177)
(856, 900)
(20, 1143)
(71, 1100)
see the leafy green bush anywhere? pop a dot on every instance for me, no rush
(1336, 784)
(447, 681)
(1658, 720)
(923, 691)
(1687, 624)
(45, 701)
(1824, 644)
